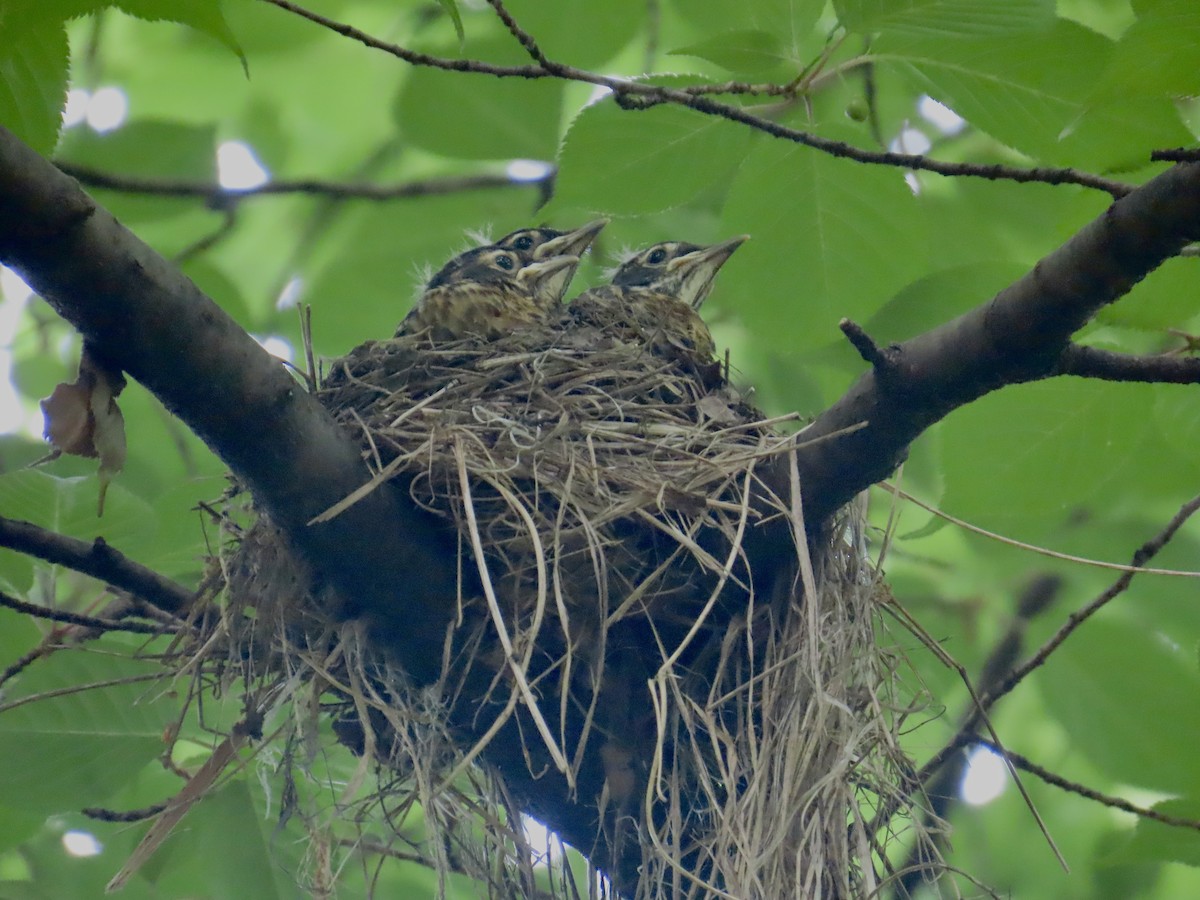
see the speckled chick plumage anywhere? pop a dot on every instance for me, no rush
(486, 291)
(655, 296)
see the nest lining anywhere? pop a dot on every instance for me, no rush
(603, 493)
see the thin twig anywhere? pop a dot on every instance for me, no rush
(210, 240)
(221, 197)
(70, 618)
(131, 815)
(1034, 548)
(1073, 787)
(639, 95)
(524, 37)
(1143, 555)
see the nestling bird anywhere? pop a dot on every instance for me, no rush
(486, 293)
(529, 245)
(654, 298)
(539, 243)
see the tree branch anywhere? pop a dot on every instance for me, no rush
(639, 95)
(70, 618)
(1093, 362)
(1177, 154)
(1072, 787)
(98, 560)
(219, 197)
(1017, 674)
(145, 318)
(1020, 335)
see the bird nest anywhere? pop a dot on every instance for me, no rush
(603, 498)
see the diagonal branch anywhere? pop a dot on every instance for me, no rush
(1003, 686)
(145, 318)
(394, 566)
(97, 559)
(82, 621)
(1019, 335)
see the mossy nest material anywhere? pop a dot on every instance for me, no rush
(602, 495)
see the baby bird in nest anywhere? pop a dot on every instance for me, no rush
(654, 298)
(487, 291)
(533, 244)
(487, 294)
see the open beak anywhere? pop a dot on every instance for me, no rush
(696, 270)
(548, 279)
(573, 243)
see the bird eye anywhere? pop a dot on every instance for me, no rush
(657, 256)
(505, 262)
(524, 242)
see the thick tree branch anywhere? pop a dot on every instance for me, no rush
(96, 559)
(147, 319)
(402, 578)
(1020, 335)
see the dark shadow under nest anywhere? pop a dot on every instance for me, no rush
(730, 738)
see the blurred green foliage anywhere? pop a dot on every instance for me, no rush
(1088, 468)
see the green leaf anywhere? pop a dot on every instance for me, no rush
(750, 51)
(450, 7)
(792, 22)
(203, 15)
(181, 151)
(1156, 56)
(1000, 229)
(633, 162)
(225, 825)
(76, 749)
(1116, 134)
(479, 117)
(944, 18)
(939, 297)
(33, 79)
(1020, 460)
(1175, 414)
(1166, 298)
(580, 32)
(1158, 842)
(68, 506)
(1026, 92)
(1130, 702)
(826, 243)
